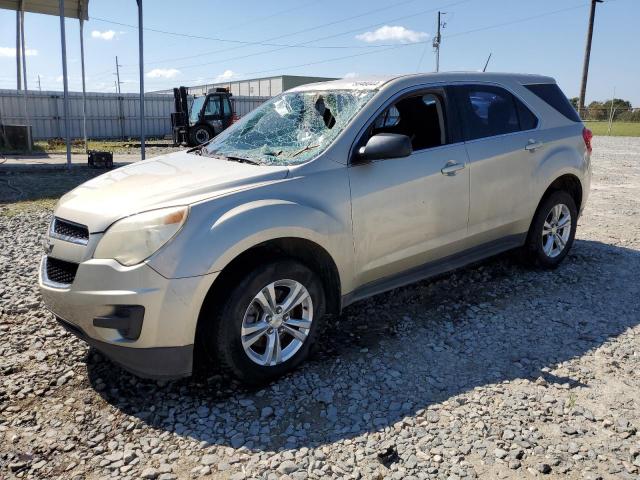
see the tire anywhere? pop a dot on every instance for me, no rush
(200, 134)
(548, 250)
(242, 318)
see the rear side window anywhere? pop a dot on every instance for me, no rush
(551, 94)
(488, 111)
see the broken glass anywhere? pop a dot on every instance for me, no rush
(291, 128)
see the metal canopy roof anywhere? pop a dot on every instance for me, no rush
(72, 8)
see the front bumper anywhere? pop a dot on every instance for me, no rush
(154, 362)
(163, 348)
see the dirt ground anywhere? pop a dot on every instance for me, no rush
(493, 371)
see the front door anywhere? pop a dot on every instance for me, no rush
(412, 210)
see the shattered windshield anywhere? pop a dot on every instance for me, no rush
(291, 128)
(196, 106)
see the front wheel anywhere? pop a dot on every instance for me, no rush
(200, 134)
(269, 321)
(552, 231)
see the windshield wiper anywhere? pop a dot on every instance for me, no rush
(240, 159)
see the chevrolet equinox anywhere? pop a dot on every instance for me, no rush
(232, 252)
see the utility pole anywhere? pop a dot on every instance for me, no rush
(587, 56)
(438, 39)
(118, 76)
(39, 86)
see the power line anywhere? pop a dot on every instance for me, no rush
(359, 29)
(488, 27)
(266, 42)
(227, 40)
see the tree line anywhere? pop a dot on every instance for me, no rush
(621, 109)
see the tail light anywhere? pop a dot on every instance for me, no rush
(587, 135)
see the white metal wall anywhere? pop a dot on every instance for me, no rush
(243, 105)
(109, 115)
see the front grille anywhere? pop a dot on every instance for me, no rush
(59, 271)
(69, 231)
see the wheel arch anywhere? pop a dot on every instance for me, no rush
(567, 182)
(307, 252)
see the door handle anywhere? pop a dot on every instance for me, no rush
(451, 167)
(533, 145)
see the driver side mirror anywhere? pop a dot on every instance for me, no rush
(385, 146)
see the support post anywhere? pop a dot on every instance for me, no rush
(84, 90)
(24, 81)
(141, 61)
(65, 84)
(438, 45)
(18, 66)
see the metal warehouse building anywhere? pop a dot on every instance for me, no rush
(256, 87)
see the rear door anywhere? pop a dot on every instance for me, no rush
(503, 146)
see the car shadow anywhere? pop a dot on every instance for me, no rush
(391, 356)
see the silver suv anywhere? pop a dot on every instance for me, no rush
(231, 253)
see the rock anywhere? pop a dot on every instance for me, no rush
(287, 467)
(209, 460)
(149, 473)
(543, 468)
(500, 453)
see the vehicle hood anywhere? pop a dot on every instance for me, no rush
(179, 178)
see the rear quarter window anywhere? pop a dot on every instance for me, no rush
(552, 95)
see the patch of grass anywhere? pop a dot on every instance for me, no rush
(16, 208)
(40, 185)
(618, 129)
(58, 145)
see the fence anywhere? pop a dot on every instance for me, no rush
(109, 115)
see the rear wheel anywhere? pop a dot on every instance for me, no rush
(552, 231)
(268, 323)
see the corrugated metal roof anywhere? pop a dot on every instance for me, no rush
(72, 8)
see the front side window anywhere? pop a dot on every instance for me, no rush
(489, 111)
(291, 128)
(213, 107)
(196, 107)
(420, 117)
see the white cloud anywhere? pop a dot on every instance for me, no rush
(163, 73)
(106, 35)
(393, 34)
(225, 76)
(10, 52)
(350, 75)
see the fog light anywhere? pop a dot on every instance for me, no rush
(126, 319)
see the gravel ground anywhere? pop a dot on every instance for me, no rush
(494, 371)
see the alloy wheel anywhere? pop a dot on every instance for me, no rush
(277, 322)
(556, 230)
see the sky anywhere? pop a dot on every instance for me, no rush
(194, 42)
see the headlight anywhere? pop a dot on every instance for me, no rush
(135, 238)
